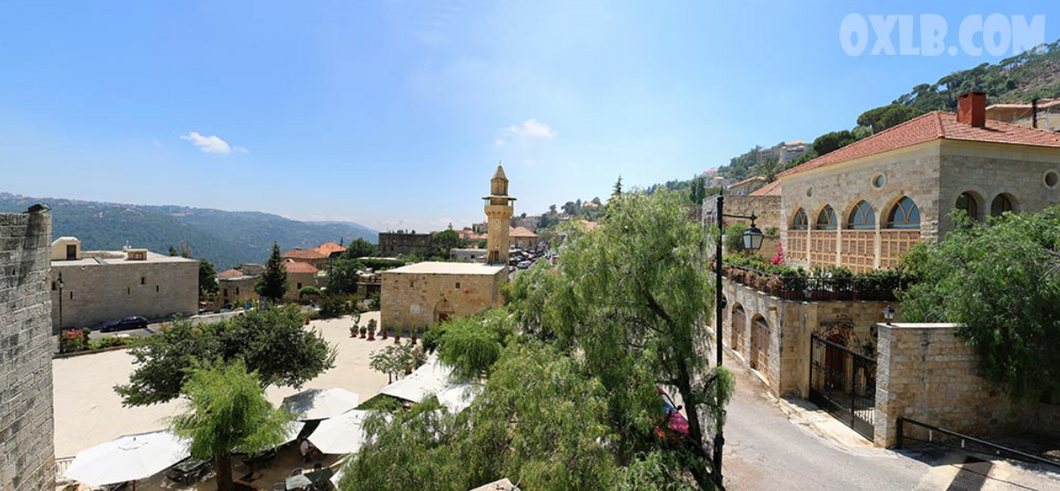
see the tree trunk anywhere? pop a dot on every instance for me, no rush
(223, 467)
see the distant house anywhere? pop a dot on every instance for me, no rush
(234, 287)
(401, 242)
(308, 256)
(522, 238)
(330, 250)
(299, 275)
(747, 186)
(1048, 114)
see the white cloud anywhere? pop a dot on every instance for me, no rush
(499, 142)
(532, 129)
(211, 144)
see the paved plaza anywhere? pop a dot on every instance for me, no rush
(88, 412)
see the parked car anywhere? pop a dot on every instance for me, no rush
(524, 264)
(675, 421)
(133, 322)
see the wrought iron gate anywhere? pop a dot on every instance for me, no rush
(843, 382)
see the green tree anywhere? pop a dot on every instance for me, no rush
(273, 343)
(207, 279)
(617, 190)
(309, 291)
(445, 241)
(697, 192)
(228, 413)
(734, 237)
(632, 297)
(830, 142)
(360, 248)
(472, 344)
(1001, 283)
(768, 168)
(343, 275)
(888, 116)
(272, 283)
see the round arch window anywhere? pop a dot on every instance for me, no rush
(879, 181)
(1051, 179)
(1001, 204)
(968, 204)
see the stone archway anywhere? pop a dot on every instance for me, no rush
(443, 311)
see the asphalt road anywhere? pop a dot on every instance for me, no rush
(765, 450)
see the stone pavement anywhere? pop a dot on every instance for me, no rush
(88, 412)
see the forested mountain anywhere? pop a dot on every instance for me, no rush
(225, 238)
(1019, 79)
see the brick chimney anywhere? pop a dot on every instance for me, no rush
(971, 108)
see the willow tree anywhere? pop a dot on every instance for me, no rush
(228, 413)
(631, 298)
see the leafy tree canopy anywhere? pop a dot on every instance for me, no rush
(343, 275)
(273, 343)
(1001, 283)
(360, 248)
(207, 279)
(227, 412)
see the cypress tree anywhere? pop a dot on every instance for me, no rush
(272, 283)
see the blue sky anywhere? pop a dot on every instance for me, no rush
(396, 113)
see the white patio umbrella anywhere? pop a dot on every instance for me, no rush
(341, 434)
(458, 397)
(431, 378)
(293, 430)
(311, 404)
(128, 458)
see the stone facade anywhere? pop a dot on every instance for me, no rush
(766, 208)
(499, 212)
(467, 255)
(27, 456)
(423, 294)
(787, 326)
(927, 374)
(234, 290)
(105, 286)
(399, 243)
(933, 174)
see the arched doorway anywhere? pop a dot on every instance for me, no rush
(739, 320)
(759, 344)
(443, 311)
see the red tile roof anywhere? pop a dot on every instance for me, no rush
(937, 125)
(747, 181)
(304, 254)
(328, 248)
(771, 189)
(230, 273)
(520, 232)
(297, 267)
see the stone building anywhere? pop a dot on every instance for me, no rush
(866, 204)
(94, 287)
(467, 255)
(862, 207)
(27, 456)
(423, 294)
(1046, 114)
(522, 238)
(300, 275)
(234, 287)
(401, 242)
(312, 257)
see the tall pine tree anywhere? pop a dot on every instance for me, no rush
(272, 284)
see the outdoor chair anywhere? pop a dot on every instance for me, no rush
(297, 472)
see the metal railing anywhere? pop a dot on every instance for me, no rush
(936, 435)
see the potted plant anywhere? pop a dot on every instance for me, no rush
(372, 325)
(353, 331)
(364, 332)
(397, 333)
(414, 332)
(371, 334)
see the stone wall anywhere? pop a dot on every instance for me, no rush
(927, 374)
(98, 293)
(1044, 420)
(790, 324)
(27, 430)
(414, 300)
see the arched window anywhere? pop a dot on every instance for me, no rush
(968, 204)
(800, 222)
(826, 219)
(862, 217)
(905, 214)
(1001, 204)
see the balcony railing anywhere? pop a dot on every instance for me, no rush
(801, 285)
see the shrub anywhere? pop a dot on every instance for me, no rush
(734, 237)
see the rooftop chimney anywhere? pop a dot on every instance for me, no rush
(971, 108)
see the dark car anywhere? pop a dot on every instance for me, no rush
(134, 322)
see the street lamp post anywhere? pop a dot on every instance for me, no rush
(752, 241)
(60, 282)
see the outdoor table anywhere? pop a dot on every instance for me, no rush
(309, 479)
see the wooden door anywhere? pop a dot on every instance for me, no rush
(760, 344)
(739, 318)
